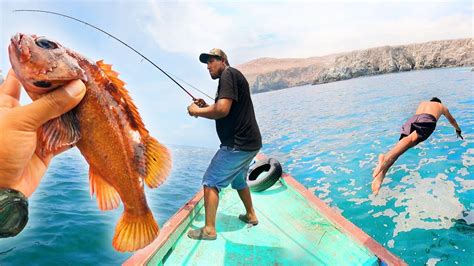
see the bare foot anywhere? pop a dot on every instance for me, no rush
(249, 219)
(379, 166)
(377, 182)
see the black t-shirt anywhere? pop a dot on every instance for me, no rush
(239, 129)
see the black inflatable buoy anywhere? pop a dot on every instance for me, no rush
(263, 174)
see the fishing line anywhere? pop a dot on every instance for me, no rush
(117, 39)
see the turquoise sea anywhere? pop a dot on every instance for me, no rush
(328, 137)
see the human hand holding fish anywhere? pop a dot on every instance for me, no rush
(105, 126)
(21, 167)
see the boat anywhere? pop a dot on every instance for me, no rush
(295, 228)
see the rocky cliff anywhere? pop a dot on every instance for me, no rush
(271, 74)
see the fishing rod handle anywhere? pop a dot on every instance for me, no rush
(200, 102)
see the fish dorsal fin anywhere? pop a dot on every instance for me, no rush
(58, 134)
(158, 162)
(123, 98)
(107, 197)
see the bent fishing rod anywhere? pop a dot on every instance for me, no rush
(122, 42)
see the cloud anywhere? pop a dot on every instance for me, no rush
(301, 29)
(188, 27)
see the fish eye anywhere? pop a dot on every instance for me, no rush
(45, 43)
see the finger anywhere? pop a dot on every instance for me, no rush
(11, 86)
(51, 105)
(7, 101)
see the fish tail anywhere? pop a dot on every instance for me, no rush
(134, 232)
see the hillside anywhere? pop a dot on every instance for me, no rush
(265, 74)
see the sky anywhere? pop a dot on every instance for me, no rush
(173, 33)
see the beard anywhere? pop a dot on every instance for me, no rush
(214, 76)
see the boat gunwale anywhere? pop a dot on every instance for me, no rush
(144, 255)
(385, 257)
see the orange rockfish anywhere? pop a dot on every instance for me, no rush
(105, 126)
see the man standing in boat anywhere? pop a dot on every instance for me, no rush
(417, 129)
(240, 139)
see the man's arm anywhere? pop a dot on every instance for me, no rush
(452, 121)
(215, 111)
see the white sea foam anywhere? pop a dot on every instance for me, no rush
(431, 204)
(432, 261)
(423, 153)
(463, 172)
(326, 170)
(426, 161)
(320, 180)
(349, 193)
(352, 183)
(391, 243)
(468, 160)
(387, 212)
(324, 190)
(465, 184)
(328, 201)
(359, 201)
(371, 156)
(345, 170)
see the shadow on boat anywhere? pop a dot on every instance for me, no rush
(261, 255)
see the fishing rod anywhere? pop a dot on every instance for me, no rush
(117, 39)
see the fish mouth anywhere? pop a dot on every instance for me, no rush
(21, 52)
(19, 48)
(16, 39)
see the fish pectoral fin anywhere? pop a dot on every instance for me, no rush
(58, 133)
(107, 197)
(134, 232)
(158, 162)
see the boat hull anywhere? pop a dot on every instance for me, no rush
(295, 227)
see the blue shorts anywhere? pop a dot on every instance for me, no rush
(229, 166)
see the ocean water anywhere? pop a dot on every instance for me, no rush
(328, 137)
(66, 227)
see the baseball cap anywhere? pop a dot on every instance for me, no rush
(215, 52)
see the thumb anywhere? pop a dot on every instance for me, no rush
(52, 104)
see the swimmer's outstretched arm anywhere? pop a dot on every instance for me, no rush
(452, 121)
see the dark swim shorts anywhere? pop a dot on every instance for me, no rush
(423, 124)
